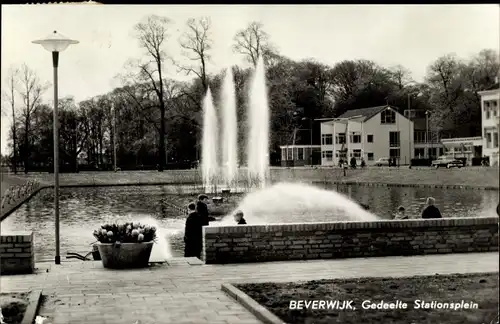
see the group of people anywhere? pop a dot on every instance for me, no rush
(430, 211)
(197, 218)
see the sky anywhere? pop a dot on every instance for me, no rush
(410, 35)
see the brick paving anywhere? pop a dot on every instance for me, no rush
(185, 291)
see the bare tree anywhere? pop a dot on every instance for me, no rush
(31, 91)
(196, 44)
(152, 33)
(10, 95)
(253, 42)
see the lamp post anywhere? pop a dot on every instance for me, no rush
(427, 133)
(56, 43)
(114, 138)
(310, 138)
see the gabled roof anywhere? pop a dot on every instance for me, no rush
(366, 113)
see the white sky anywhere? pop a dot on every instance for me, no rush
(412, 36)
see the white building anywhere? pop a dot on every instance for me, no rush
(490, 113)
(369, 133)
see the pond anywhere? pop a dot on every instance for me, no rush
(84, 209)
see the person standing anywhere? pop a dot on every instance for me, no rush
(193, 233)
(431, 211)
(202, 209)
(239, 218)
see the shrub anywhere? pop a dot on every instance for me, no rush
(129, 232)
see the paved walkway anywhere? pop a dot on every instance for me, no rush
(184, 291)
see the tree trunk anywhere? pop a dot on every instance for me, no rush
(26, 147)
(161, 147)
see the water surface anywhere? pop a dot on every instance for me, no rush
(84, 209)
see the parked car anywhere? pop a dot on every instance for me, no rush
(382, 162)
(448, 162)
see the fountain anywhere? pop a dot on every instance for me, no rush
(258, 136)
(209, 165)
(230, 135)
(296, 200)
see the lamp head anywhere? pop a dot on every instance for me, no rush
(55, 42)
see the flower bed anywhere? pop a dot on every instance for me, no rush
(13, 307)
(476, 288)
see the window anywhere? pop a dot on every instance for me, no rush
(295, 153)
(419, 153)
(495, 140)
(369, 138)
(289, 154)
(488, 140)
(340, 138)
(388, 116)
(410, 114)
(356, 153)
(394, 139)
(341, 154)
(370, 157)
(419, 136)
(327, 155)
(488, 113)
(300, 153)
(326, 139)
(394, 153)
(355, 138)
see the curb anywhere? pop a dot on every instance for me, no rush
(251, 305)
(34, 298)
(381, 184)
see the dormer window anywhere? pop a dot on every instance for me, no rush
(388, 116)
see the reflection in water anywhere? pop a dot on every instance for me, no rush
(85, 209)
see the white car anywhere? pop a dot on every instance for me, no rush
(382, 162)
(447, 161)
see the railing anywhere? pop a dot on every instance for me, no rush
(13, 194)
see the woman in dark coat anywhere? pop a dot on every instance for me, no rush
(193, 233)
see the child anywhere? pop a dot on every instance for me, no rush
(238, 217)
(400, 214)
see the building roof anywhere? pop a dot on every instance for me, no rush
(493, 87)
(367, 113)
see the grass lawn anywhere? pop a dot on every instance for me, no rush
(477, 288)
(470, 176)
(13, 307)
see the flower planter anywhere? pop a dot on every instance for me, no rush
(125, 255)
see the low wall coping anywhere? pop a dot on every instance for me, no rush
(16, 233)
(410, 223)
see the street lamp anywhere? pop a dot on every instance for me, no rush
(310, 137)
(56, 43)
(427, 133)
(409, 128)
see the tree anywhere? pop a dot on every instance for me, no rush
(253, 42)
(30, 91)
(152, 32)
(10, 96)
(196, 44)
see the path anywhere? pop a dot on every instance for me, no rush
(84, 292)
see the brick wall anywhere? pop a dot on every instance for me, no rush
(260, 243)
(17, 254)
